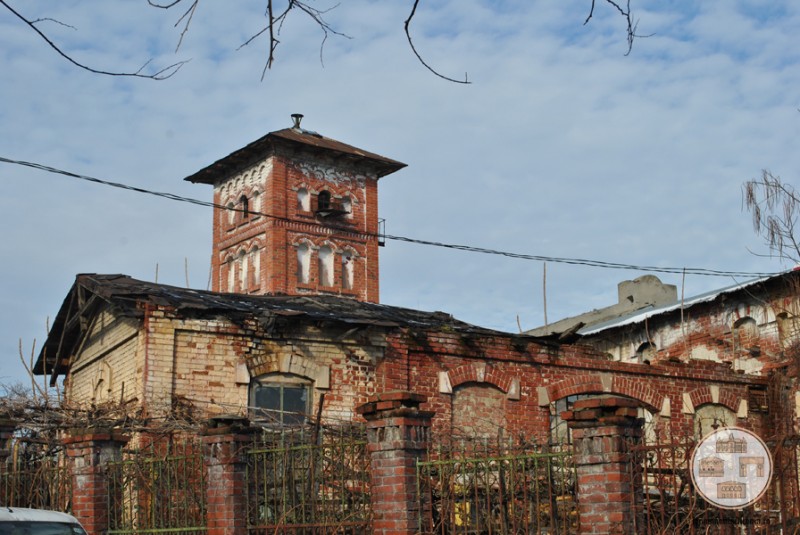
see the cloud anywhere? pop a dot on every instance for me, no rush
(562, 146)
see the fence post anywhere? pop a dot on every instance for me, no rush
(7, 428)
(603, 430)
(398, 435)
(88, 452)
(225, 443)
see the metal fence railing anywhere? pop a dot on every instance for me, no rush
(309, 483)
(669, 503)
(159, 488)
(34, 475)
(512, 492)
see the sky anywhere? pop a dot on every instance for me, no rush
(561, 146)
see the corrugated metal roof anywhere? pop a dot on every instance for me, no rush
(648, 312)
(265, 145)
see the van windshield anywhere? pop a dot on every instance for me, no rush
(24, 527)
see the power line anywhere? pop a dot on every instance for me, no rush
(467, 248)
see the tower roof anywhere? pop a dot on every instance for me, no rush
(299, 138)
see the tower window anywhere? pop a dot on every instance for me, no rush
(326, 266)
(245, 207)
(347, 270)
(347, 206)
(256, 263)
(243, 271)
(324, 200)
(303, 253)
(303, 200)
(231, 209)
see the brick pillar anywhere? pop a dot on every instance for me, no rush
(603, 429)
(88, 451)
(225, 443)
(398, 435)
(7, 428)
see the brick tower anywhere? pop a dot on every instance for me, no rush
(296, 213)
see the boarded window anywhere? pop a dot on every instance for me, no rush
(479, 411)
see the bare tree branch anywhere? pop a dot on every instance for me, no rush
(162, 74)
(626, 14)
(419, 57)
(774, 206)
(275, 19)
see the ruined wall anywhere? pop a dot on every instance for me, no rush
(532, 377)
(746, 330)
(108, 366)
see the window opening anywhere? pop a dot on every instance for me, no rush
(256, 262)
(303, 253)
(243, 271)
(323, 201)
(231, 273)
(303, 200)
(281, 400)
(646, 352)
(245, 207)
(347, 270)
(745, 332)
(326, 266)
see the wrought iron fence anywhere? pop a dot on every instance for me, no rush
(159, 488)
(307, 482)
(34, 475)
(516, 491)
(670, 504)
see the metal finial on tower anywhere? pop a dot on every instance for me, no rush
(297, 117)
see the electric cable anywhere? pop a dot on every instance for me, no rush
(458, 247)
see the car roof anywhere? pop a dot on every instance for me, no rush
(8, 514)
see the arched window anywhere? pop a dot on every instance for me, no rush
(347, 206)
(256, 203)
(255, 261)
(745, 333)
(324, 200)
(710, 417)
(231, 273)
(244, 206)
(231, 209)
(280, 399)
(348, 258)
(303, 200)
(242, 261)
(325, 266)
(646, 352)
(303, 254)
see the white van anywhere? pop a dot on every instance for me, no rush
(21, 521)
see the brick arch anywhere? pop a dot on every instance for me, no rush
(703, 396)
(480, 373)
(606, 384)
(295, 364)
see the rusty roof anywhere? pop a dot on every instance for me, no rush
(297, 137)
(127, 297)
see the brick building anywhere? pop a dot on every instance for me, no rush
(293, 329)
(293, 326)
